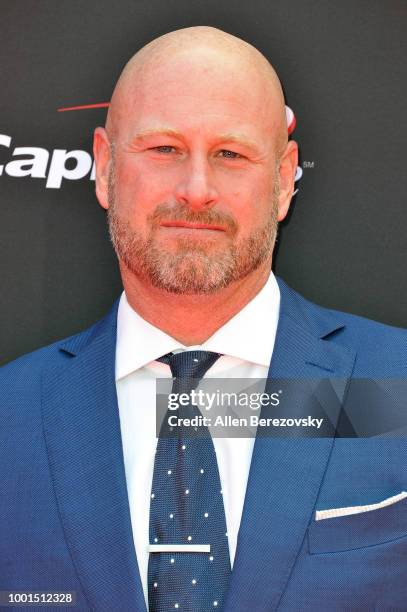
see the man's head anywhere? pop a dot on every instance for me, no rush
(194, 165)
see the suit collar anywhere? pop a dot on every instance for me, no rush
(320, 322)
(103, 331)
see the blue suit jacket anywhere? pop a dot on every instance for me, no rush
(64, 512)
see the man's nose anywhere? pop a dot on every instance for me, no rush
(196, 188)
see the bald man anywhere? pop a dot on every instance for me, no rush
(195, 170)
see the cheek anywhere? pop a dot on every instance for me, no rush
(250, 202)
(128, 179)
(134, 195)
(138, 182)
(247, 185)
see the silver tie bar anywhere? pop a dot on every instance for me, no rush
(199, 548)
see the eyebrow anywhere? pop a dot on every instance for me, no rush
(239, 139)
(161, 131)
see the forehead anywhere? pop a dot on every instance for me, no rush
(199, 91)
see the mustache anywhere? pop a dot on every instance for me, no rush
(181, 212)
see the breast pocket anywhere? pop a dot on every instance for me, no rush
(358, 529)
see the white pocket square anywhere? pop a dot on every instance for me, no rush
(335, 512)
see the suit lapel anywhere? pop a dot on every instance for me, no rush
(286, 474)
(82, 432)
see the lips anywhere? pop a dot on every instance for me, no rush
(193, 226)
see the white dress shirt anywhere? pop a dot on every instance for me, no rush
(246, 343)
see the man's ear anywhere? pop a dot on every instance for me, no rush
(287, 169)
(103, 160)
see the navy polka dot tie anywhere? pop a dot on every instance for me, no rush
(186, 508)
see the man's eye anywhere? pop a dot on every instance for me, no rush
(164, 149)
(225, 153)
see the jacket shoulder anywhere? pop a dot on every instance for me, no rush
(374, 342)
(23, 375)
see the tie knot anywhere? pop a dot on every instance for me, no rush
(190, 364)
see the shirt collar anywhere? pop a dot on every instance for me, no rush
(249, 335)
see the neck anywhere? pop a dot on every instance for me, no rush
(191, 319)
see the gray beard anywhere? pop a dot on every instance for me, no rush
(192, 268)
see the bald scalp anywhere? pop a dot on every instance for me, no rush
(223, 48)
